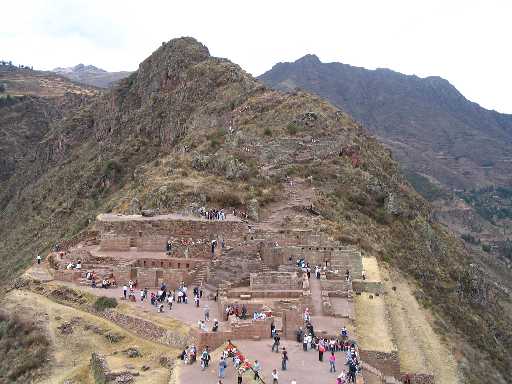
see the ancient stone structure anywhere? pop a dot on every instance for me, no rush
(249, 267)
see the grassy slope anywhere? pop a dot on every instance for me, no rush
(70, 354)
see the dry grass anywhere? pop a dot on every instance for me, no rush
(373, 328)
(371, 267)
(419, 347)
(71, 352)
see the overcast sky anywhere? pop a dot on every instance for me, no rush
(467, 42)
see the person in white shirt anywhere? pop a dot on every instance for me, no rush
(275, 376)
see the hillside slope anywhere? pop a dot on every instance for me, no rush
(432, 129)
(188, 129)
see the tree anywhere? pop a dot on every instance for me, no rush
(2, 88)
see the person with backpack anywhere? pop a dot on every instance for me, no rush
(205, 358)
(277, 339)
(284, 359)
(256, 369)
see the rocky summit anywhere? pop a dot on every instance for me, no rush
(191, 172)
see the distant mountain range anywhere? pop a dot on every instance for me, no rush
(91, 75)
(433, 130)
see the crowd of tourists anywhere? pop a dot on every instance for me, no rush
(212, 214)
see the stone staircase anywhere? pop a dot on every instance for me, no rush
(201, 275)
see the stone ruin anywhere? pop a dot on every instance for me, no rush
(256, 268)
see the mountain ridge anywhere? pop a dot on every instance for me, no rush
(190, 130)
(91, 75)
(419, 113)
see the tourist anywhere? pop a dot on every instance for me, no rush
(256, 368)
(272, 330)
(332, 345)
(363, 274)
(299, 334)
(141, 295)
(215, 326)
(344, 333)
(276, 342)
(161, 308)
(205, 358)
(352, 370)
(284, 359)
(170, 300)
(341, 379)
(275, 376)
(332, 362)
(347, 275)
(240, 375)
(180, 296)
(38, 258)
(196, 301)
(125, 290)
(305, 343)
(317, 272)
(307, 316)
(321, 350)
(206, 312)
(222, 367)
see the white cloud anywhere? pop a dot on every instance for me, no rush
(466, 42)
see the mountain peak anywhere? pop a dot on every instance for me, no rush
(310, 59)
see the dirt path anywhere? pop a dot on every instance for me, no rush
(419, 347)
(299, 193)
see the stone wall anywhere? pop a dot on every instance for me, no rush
(81, 237)
(149, 330)
(240, 330)
(264, 294)
(417, 378)
(387, 363)
(269, 281)
(180, 227)
(111, 242)
(99, 368)
(67, 275)
(292, 319)
(368, 286)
